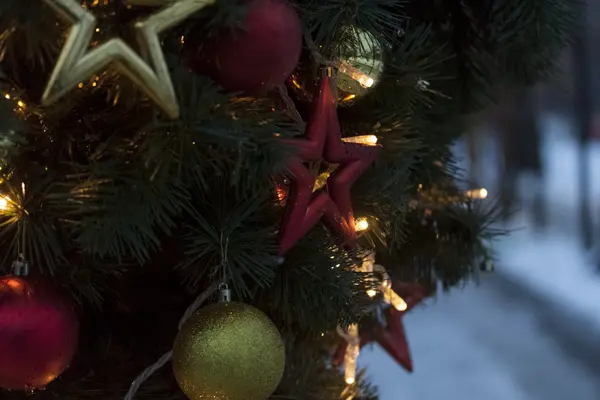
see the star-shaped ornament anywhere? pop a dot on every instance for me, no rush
(78, 62)
(392, 337)
(307, 202)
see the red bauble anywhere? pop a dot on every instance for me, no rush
(38, 333)
(257, 57)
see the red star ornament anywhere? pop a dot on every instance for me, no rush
(323, 142)
(392, 337)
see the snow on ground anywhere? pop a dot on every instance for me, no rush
(553, 262)
(479, 343)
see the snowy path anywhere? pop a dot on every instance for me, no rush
(480, 343)
(553, 263)
(484, 343)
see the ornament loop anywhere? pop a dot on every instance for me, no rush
(224, 293)
(20, 267)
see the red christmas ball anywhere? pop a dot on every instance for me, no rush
(38, 333)
(257, 57)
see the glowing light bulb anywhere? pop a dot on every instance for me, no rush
(361, 224)
(477, 193)
(371, 293)
(369, 140)
(396, 301)
(352, 353)
(3, 203)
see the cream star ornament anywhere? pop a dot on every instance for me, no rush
(77, 62)
(150, 3)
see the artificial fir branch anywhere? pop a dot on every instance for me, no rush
(131, 213)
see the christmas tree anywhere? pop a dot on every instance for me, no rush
(226, 199)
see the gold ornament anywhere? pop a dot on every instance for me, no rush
(228, 351)
(360, 64)
(77, 62)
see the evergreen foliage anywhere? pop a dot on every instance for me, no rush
(135, 214)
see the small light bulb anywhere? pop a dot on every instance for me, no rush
(21, 104)
(3, 203)
(396, 301)
(370, 82)
(371, 293)
(361, 224)
(350, 380)
(369, 140)
(477, 193)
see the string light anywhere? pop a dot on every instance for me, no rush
(321, 180)
(363, 79)
(281, 193)
(3, 203)
(11, 207)
(385, 287)
(477, 193)
(20, 104)
(368, 140)
(7, 205)
(361, 224)
(351, 335)
(352, 353)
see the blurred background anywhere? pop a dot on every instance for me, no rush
(530, 329)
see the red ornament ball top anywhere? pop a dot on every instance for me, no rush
(38, 333)
(258, 56)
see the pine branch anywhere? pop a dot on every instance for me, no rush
(530, 36)
(114, 209)
(27, 34)
(415, 58)
(27, 228)
(217, 133)
(230, 234)
(306, 379)
(316, 288)
(445, 244)
(326, 20)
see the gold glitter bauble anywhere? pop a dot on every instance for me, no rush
(228, 351)
(360, 63)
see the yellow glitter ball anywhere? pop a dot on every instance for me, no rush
(228, 351)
